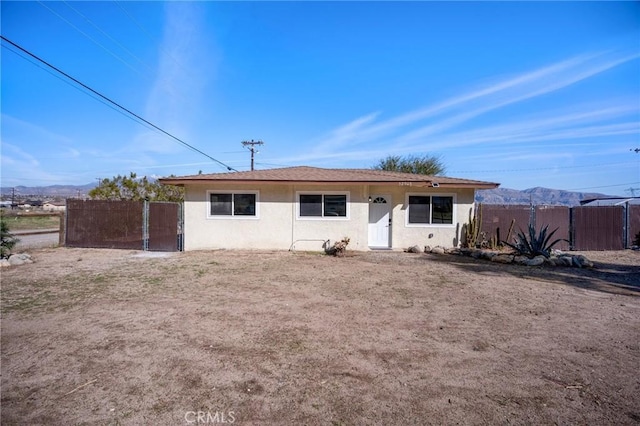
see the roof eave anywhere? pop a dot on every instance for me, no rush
(418, 184)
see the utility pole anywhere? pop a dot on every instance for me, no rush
(13, 198)
(252, 148)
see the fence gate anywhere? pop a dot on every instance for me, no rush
(104, 224)
(136, 225)
(163, 219)
(598, 228)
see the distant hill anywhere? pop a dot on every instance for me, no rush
(536, 196)
(48, 191)
(488, 196)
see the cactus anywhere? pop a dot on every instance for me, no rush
(472, 228)
(513, 222)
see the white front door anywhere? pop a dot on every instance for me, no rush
(380, 221)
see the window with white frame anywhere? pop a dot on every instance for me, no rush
(430, 210)
(323, 205)
(233, 204)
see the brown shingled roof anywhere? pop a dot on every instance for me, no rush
(315, 175)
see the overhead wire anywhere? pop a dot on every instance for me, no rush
(602, 186)
(80, 89)
(541, 168)
(191, 147)
(106, 34)
(149, 36)
(91, 38)
(149, 69)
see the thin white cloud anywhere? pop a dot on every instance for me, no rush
(343, 135)
(184, 70)
(411, 132)
(12, 155)
(26, 130)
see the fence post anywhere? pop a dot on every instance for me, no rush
(625, 226)
(63, 228)
(145, 225)
(532, 216)
(571, 229)
(181, 226)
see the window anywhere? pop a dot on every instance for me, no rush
(442, 210)
(227, 204)
(419, 209)
(427, 210)
(322, 205)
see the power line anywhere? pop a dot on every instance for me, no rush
(191, 147)
(108, 35)
(541, 168)
(603, 186)
(149, 68)
(149, 36)
(90, 38)
(47, 70)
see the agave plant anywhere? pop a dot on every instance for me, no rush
(533, 245)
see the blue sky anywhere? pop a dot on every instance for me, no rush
(524, 94)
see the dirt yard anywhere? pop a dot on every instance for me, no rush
(118, 337)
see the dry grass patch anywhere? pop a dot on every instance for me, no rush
(279, 337)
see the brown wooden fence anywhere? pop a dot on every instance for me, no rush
(583, 228)
(134, 225)
(497, 220)
(162, 221)
(598, 227)
(633, 221)
(556, 217)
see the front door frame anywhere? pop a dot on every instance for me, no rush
(387, 197)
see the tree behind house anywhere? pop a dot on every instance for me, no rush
(136, 189)
(422, 165)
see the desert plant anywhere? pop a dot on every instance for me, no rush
(472, 229)
(534, 244)
(339, 247)
(7, 240)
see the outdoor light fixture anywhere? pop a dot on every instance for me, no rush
(369, 198)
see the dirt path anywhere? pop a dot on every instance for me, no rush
(116, 337)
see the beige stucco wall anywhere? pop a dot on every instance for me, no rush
(278, 227)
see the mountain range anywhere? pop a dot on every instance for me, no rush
(537, 196)
(52, 191)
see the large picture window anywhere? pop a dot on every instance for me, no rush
(243, 204)
(428, 210)
(322, 205)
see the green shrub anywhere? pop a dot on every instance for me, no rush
(7, 240)
(533, 244)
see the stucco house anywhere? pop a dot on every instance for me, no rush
(309, 208)
(54, 206)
